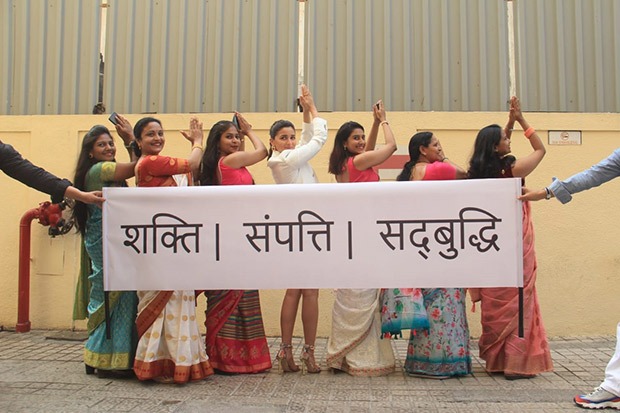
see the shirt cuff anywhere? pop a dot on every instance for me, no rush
(560, 191)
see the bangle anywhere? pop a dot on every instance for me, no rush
(548, 193)
(444, 159)
(196, 146)
(385, 122)
(529, 132)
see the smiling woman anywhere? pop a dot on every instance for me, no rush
(289, 162)
(353, 158)
(96, 168)
(354, 345)
(169, 347)
(235, 338)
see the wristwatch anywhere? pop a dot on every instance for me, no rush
(548, 193)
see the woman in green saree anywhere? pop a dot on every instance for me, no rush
(96, 168)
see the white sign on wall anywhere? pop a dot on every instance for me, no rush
(564, 137)
(362, 235)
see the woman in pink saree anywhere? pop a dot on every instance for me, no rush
(500, 345)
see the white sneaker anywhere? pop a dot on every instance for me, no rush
(598, 399)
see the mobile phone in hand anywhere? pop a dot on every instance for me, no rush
(112, 118)
(377, 106)
(235, 121)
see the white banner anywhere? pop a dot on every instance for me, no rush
(364, 235)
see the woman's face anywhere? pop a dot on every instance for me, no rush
(103, 148)
(284, 139)
(229, 141)
(356, 142)
(152, 139)
(433, 152)
(503, 147)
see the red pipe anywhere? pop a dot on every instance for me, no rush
(23, 297)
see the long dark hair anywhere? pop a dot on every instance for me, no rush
(416, 141)
(485, 161)
(339, 154)
(137, 131)
(84, 163)
(275, 128)
(211, 155)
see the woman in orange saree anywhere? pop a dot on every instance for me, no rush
(500, 345)
(170, 348)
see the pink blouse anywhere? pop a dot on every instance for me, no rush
(439, 171)
(234, 176)
(355, 175)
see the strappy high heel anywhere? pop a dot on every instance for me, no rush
(308, 364)
(284, 358)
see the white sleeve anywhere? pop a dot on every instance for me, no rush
(304, 152)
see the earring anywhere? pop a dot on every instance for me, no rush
(90, 156)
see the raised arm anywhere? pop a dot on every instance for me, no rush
(378, 115)
(195, 135)
(241, 158)
(511, 120)
(524, 166)
(309, 113)
(125, 131)
(375, 157)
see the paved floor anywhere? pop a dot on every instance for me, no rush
(42, 371)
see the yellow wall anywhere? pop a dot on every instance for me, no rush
(577, 244)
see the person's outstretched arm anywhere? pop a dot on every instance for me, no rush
(604, 171)
(15, 166)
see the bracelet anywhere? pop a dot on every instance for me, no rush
(130, 145)
(196, 146)
(385, 122)
(444, 159)
(548, 193)
(529, 132)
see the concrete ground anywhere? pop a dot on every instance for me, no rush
(42, 371)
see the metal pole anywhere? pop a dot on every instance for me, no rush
(511, 49)
(300, 48)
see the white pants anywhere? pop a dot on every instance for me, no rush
(612, 371)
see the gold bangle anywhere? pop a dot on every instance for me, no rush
(196, 146)
(385, 122)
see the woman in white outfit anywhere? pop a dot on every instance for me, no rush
(289, 163)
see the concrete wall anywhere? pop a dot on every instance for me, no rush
(578, 256)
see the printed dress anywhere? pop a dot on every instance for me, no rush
(443, 349)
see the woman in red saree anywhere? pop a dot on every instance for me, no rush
(500, 346)
(235, 339)
(170, 348)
